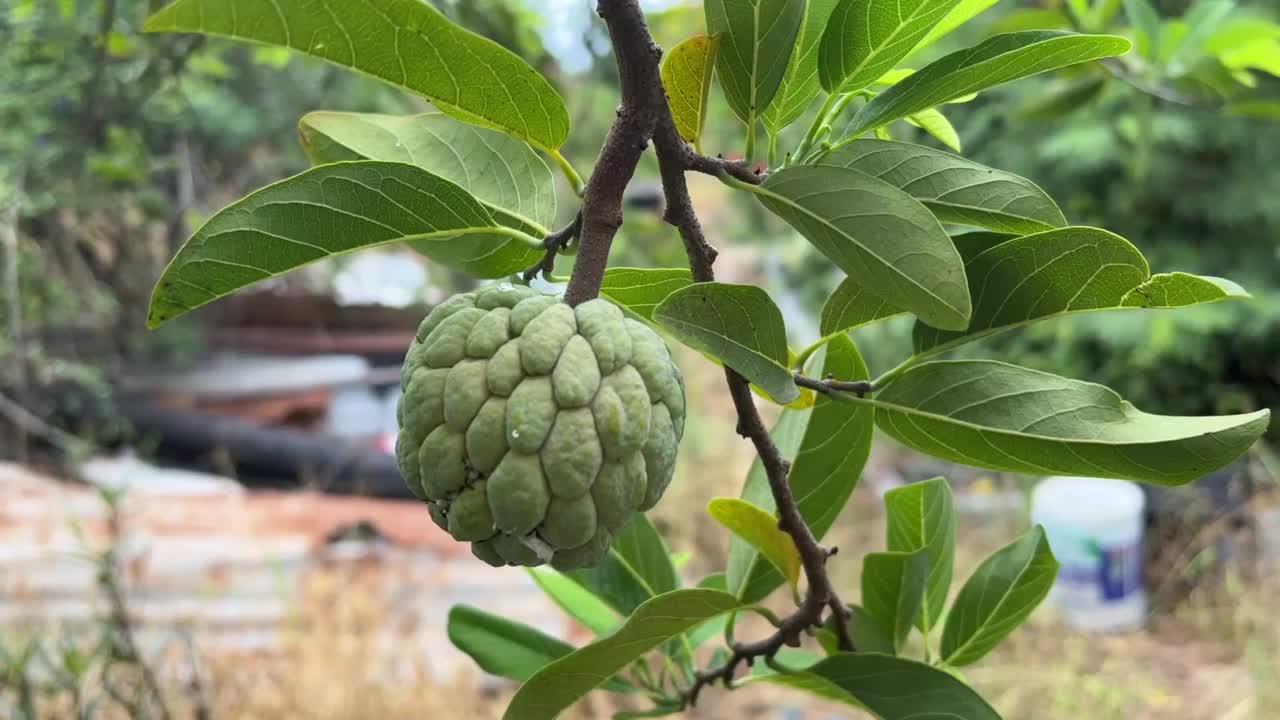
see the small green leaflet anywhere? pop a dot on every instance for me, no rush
(893, 584)
(998, 597)
(760, 528)
(501, 171)
(876, 233)
(830, 452)
(800, 82)
(1005, 417)
(637, 568)
(505, 648)
(1146, 21)
(898, 689)
(739, 325)
(557, 686)
(1073, 269)
(639, 290)
(866, 38)
(921, 516)
(579, 603)
(686, 78)
(956, 190)
(936, 124)
(757, 38)
(325, 211)
(404, 42)
(851, 306)
(998, 60)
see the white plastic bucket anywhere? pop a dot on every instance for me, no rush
(1095, 528)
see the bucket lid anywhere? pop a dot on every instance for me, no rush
(1088, 498)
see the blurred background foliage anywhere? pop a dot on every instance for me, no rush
(114, 145)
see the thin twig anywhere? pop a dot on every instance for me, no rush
(645, 106)
(553, 244)
(829, 384)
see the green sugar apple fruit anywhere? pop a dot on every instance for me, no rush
(534, 430)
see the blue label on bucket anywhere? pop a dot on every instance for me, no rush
(1106, 572)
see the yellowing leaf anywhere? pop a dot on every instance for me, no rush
(686, 79)
(760, 528)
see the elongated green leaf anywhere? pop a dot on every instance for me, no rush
(877, 234)
(561, 683)
(499, 170)
(1202, 19)
(866, 38)
(999, 59)
(639, 290)
(760, 528)
(868, 634)
(1064, 97)
(893, 585)
(956, 190)
(936, 124)
(404, 42)
(787, 434)
(1177, 289)
(899, 689)
(921, 516)
(757, 38)
(1074, 269)
(326, 211)
(828, 464)
(1004, 417)
(506, 648)
(959, 15)
(851, 306)
(686, 78)
(739, 325)
(580, 604)
(637, 568)
(800, 82)
(998, 597)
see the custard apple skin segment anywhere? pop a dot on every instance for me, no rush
(533, 430)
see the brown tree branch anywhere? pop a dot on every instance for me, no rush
(643, 117)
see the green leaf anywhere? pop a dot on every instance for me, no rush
(1064, 97)
(1073, 269)
(851, 306)
(998, 597)
(327, 211)
(756, 41)
(828, 463)
(500, 171)
(557, 686)
(1262, 109)
(1202, 19)
(893, 585)
(959, 15)
(956, 190)
(744, 561)
(800, 679)
(868, 634)
(578, 602)
(759, 527)
(506, 648)
(997, 60)
(637, 568)
(686, 78)
(866, 38)
(800, 82)
(921, 516)
(1146, 21)
(898, 689)
(1004, 417)
(404, 42)
(936, 124)
(876, 233)
(739, 325)
(639, 290)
